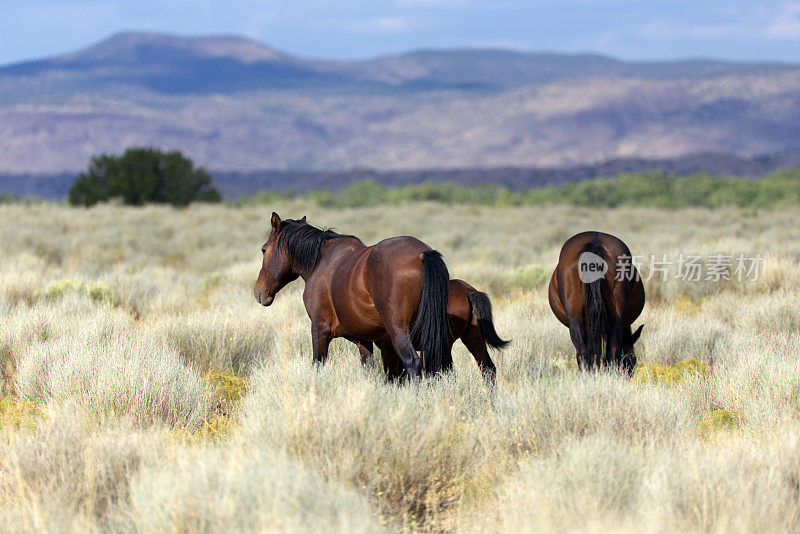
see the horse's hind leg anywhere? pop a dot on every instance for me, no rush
(401, 342)
(576, 333)
(397, 321)
(617, 356)
(392, 366)
(614, 351)
(474, 342)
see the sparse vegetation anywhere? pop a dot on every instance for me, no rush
(145, 389)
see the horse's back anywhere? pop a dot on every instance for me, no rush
(398, 248)
(624, 291)
(395, 258)
(575, 245)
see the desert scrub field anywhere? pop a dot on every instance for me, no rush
(144, 389)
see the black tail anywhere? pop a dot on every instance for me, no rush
(482, 310)
(596, 328)
(430, 329)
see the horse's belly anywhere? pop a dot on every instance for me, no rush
(362, 323)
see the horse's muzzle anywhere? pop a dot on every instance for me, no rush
(264, 299)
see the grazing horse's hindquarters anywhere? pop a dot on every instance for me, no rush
(394, 291)
(469, 314)
(597, 293)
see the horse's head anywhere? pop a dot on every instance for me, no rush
(628, 354)
(277, 269)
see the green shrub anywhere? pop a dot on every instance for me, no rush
(653, 373)
(717, 421)
(19, 414)
(227, 385)
(530, 277)
(98, 291)
(217, 427)
(141, 176)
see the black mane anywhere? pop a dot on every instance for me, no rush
(303, 242)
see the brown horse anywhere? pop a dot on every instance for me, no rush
(470, 319)
(596, 291)
(394, 291)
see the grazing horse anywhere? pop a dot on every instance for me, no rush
(470, 319)
(596, 291)
(394, 291)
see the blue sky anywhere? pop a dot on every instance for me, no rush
(632, 29)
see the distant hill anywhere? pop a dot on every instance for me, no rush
(200, 65)
(503, 69)
(235, 105)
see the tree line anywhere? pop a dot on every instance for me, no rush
(650, 189)
(146, 175)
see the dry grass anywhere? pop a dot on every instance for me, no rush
(145, 389)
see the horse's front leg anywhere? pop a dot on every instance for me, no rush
(320, 340)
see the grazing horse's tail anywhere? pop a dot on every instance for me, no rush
(430, 329)
(482, 310)
(596, 328)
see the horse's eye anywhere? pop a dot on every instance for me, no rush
(263, 251)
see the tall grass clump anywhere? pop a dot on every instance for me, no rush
(598, 484)
(413, 448)
(110, 371)
(69, 475)
(541, 415)
(242, 490)
(210, 339)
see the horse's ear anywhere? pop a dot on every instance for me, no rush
(275, 221)
(635, 335)
(303, 219)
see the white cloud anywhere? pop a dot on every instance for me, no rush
(371, 25)
(755, 24)
(390, 24)
(507, 44)
(787, 24)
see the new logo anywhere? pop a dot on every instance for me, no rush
(591, 267)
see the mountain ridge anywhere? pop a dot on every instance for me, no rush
(232, 103)
(493, 68)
